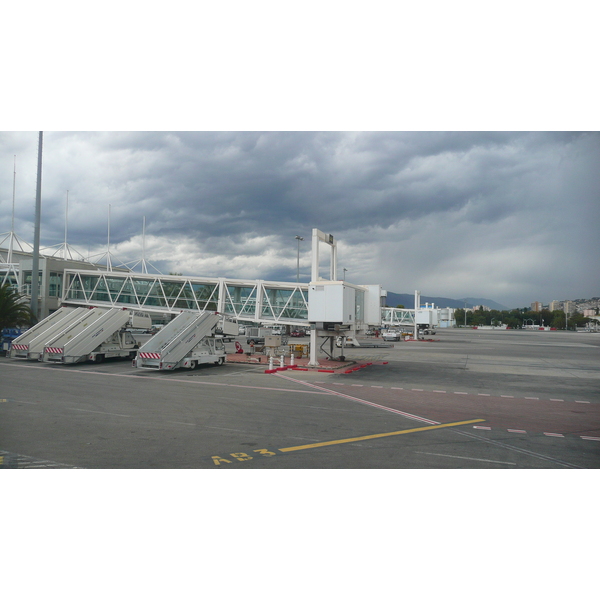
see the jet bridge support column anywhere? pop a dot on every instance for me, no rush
(417, 306)
(313, 362)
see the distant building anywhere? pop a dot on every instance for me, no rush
(536, 306)
(568, 306)
(555, 305)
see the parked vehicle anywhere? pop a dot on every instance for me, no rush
(30, 344)
(185, 342)
(101, 334)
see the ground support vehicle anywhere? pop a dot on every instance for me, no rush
(101, 335)
(227, 330)
(8, 336)
(392, 335)
(185, 342)
(30, 344)
(256, 335)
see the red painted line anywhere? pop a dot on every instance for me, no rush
(326, 371)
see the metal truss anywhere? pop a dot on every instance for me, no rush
(243, 300)
(396, 317)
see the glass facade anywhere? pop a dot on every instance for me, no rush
(55, 285)
(240, 300)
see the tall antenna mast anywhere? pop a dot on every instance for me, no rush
(108, 263)
(144, 267)
(12, 223)
(66, 225)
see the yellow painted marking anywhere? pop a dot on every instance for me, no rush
(264, 452)
(241, 456)
(218, 460)
(378, 435)
(1, 460)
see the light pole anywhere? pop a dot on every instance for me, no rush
(300, 239)
(344, 269)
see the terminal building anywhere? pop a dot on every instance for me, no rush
(51, 276)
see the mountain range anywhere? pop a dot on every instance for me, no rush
(408, 300)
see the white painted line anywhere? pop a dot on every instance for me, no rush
(582, 401)
(506, 396)
(357, 385)
(99, 412)
(530, 398)
(554, 434)
(360, 400)
(468, 458)
(416, 390)
(516, 430)
(481, 427)
(483, 394)
(587, 437)
(178, 423)
(395, 388)
(464, 393)
(556, 400)
(376, 386)
(439, 391)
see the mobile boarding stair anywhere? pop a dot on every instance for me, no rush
(101, 336)
(30, 344)
(186, 341)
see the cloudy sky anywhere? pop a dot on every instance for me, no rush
(508, 216)
(389, 128)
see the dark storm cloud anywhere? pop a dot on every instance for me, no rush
(233, 201)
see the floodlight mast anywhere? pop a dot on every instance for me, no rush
(35, 267)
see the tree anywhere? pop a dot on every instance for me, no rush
(400, 306)
(13, 311)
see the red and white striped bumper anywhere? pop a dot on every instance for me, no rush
(148, 355)
(53, 350)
